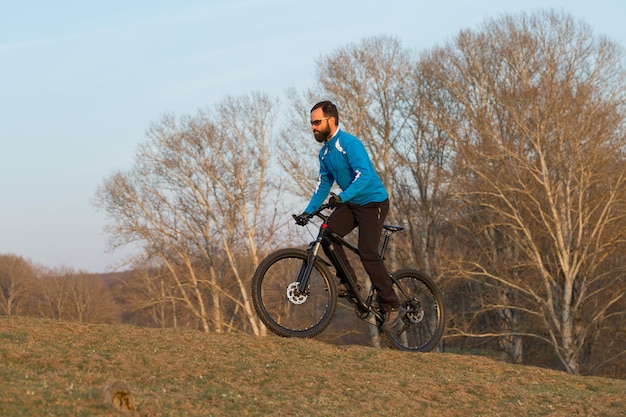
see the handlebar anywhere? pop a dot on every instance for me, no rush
(317, 213)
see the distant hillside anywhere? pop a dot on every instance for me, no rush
(58, 369)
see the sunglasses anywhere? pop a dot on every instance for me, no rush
(318, 121)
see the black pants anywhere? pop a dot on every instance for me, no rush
(369, 219)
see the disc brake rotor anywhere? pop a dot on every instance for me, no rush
(414, 312)
(415, 316)
(295, 295)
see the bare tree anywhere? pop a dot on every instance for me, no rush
(537, 118)
(52, 297)
(147, 296)
(65, 294)
(199, 199)
(90, 299)
(421, 177)
(16, 278)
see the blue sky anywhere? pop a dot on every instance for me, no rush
(81, 81)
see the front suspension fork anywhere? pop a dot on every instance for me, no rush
(306, 268)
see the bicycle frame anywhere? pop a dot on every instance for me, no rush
(327, 238)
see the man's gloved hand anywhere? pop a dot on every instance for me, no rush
(302, 219)
(334, 200)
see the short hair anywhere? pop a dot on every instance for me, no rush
(329, 109)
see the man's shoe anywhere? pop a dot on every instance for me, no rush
(393, 317)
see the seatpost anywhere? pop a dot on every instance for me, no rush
(383, 247)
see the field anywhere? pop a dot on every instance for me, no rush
(51, 368)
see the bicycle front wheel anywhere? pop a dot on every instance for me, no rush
(280, 305)
(423, 321)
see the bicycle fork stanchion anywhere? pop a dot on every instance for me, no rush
(305, 270)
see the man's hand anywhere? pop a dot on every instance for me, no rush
(334, 200)
(302, 219)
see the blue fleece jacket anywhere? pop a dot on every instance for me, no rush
(344, 159)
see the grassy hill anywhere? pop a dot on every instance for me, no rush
(50, 368)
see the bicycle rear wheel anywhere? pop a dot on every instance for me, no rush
(281, 307)
(423, 319)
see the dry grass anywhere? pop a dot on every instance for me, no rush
(50, 368)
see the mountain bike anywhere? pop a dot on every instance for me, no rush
(295, 295)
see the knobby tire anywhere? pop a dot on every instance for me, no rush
(423, 323)
(277, 311)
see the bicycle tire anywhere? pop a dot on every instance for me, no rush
(423, 322)
(279, 310)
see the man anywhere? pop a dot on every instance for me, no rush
(363, 201)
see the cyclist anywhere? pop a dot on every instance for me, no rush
(363, 201)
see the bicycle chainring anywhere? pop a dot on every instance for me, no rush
(360, 313)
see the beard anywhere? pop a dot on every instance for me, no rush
(322, 135)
